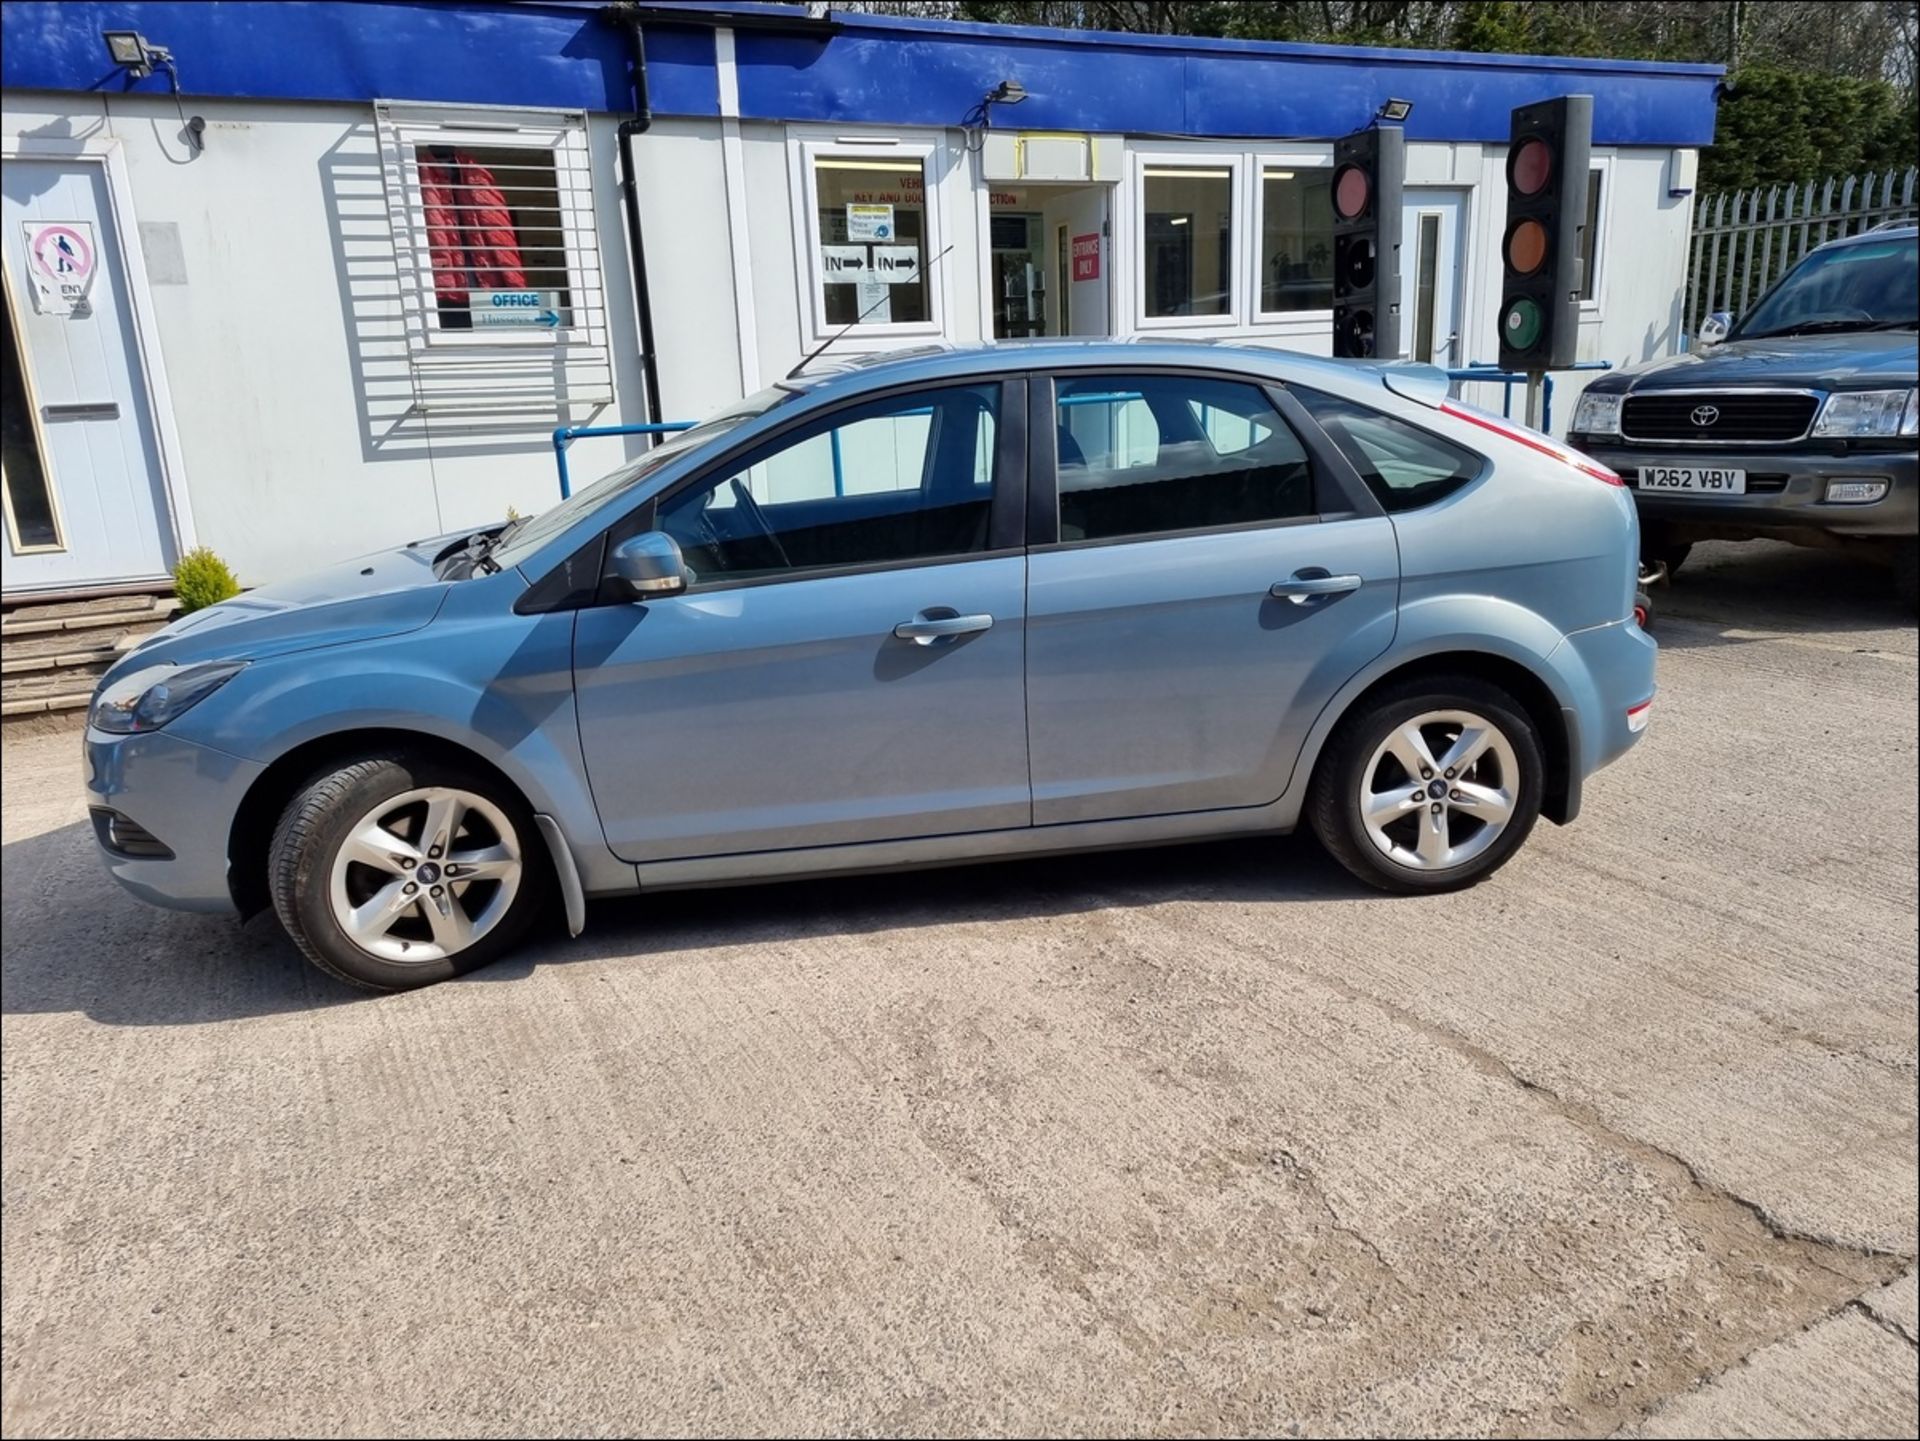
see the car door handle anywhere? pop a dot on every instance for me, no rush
(925, 629)
(1304, 586)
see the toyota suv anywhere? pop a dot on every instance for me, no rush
(1797, 424)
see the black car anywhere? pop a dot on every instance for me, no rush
(1802, 424)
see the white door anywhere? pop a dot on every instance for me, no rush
(85, 497)
(1433, 242)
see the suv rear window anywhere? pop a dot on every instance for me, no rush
(1404, 466)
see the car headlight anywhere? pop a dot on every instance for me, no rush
(146, 699)
(1597, 414)
(1867, 413)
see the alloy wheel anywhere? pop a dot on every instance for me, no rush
(425, 875)
(1439, 790)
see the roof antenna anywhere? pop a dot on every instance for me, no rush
(839, 335)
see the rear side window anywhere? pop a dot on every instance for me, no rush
(1144, 455)
(1404, 466)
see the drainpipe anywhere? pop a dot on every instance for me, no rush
(639, 124)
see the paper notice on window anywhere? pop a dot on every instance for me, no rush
(874, 302)
(896, 264)
(843, 264)
(870, 222)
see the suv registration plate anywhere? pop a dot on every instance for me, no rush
(1693, 479)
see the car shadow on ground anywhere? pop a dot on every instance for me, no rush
(1767, 586)
(74, 941)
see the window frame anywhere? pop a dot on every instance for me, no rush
(1600, 168)
(1261, 161)
(1005, 516)
(804, 155)
(549, 133)
(1339, 494)
(1235, 162)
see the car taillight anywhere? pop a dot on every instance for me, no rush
(1573, 460)
(1637, 716)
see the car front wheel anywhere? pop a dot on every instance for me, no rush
(1431, 786)
(394, 871)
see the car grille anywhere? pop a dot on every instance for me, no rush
(1736, 419)
(1758, 482)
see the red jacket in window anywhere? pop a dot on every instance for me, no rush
(470, 238)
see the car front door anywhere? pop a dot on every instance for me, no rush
(1205, 573)
(846, 663)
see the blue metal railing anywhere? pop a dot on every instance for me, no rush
(1483, 373)
(565, 436)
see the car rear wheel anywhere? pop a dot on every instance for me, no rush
(393, 871)
(1432, 786)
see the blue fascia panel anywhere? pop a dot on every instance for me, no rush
(874, 70)
(921, 74)
(543, 56)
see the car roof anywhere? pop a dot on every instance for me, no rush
(1886, 230)
(838, 377)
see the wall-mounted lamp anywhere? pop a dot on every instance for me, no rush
(1007, 92)
(133, 53)
(1394, 111)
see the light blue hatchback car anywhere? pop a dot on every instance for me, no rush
(947, 606)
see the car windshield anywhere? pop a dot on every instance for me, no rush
(524, 537)
(1868, 286)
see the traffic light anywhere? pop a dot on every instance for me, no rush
(1369, 173)
(1547, 157)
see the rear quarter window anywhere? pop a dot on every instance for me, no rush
(1404, 466)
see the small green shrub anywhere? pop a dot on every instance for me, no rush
(202, 579)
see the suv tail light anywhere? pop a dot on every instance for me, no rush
(1533, 440)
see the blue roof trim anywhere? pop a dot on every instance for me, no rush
(544, 56)
(1201, 44)
(875, 70)
(884, 71)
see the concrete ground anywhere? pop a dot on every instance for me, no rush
(1204, 1139)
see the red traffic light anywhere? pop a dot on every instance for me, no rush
(1530, 167)
(1352, 189)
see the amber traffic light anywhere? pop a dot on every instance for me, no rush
(1547, 155)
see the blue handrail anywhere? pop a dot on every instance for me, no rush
(1485, 373)
(565, 435)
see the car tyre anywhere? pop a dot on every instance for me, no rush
(359, 908)
(1361, 772)
(1906, 574)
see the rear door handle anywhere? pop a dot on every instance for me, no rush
(925, 629)
(1303, 587)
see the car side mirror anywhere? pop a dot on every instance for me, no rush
(650, 565)
(1714, 328)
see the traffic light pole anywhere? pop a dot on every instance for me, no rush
(1535, 387)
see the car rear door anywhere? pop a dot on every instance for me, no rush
(847, 663)
(1204, 574)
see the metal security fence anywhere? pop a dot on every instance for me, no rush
(1744, 240)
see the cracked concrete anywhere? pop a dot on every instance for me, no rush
(1199, 1141)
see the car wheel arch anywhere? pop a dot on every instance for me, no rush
(259, 810)
(1529, 688)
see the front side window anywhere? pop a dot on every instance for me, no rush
(901, 479)
(1296, 240)
(1151, 454)
(1188, 241)
(871, 213)
(1404, 466)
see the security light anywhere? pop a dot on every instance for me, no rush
(129, 50)
(1395, 111)
(1008, 92)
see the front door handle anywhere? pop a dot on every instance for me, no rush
(1305, 585)
(925, 629)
